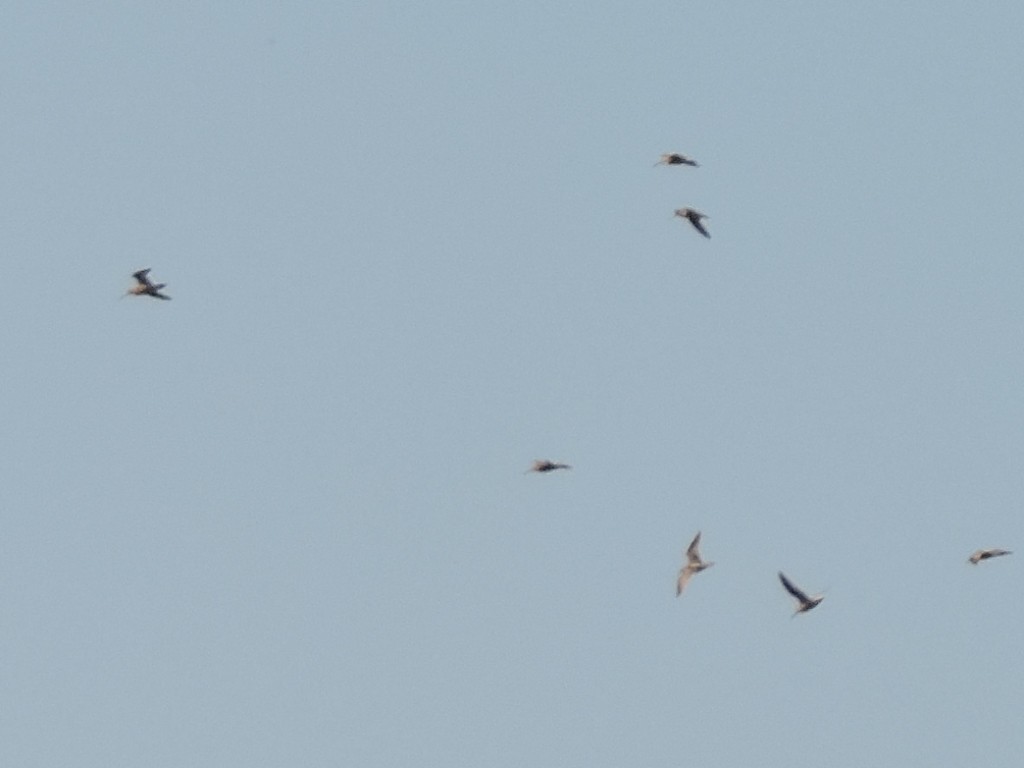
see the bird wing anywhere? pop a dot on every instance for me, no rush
(684, 578)
(141, 276)
(692, 551)
(695, 220)
(985, 554)
(793, 589)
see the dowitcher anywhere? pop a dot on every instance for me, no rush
(146, 287)
(806, 602)
(694, 217)
(694, 564)
(674, 158)
(543, 465)
(985, 554)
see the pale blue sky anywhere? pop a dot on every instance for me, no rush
(282, 519)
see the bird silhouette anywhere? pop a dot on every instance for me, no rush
(694, 217)
(674, 158)
(145, 287)
(806, 602)
(694, 564)
(543, 465)
(985, 554)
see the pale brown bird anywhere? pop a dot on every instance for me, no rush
(985, 554)
(806, 602)
(145, 287)
(674, 158)
(694, 216)
(543, 465)
(694, 564)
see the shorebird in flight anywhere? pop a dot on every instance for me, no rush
(694, 216)
(694, 564)
(146, 287)
(543, 465)
(985, 554)
(806, 602)
(674, 158)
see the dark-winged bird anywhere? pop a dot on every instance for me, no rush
(543, 465)
(674, 158)
(694, 217)
(806, 602)
(985, 554)
(146, 287)
(694, 564)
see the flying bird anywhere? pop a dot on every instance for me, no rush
(674, 158)
(146, 287)
(806, 602)
(694, 564)
(985, 554)
(543, 465)
(694, 217)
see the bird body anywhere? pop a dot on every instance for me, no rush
(985, 554)
(694, 564)
(694, 216)
(145, 287)
(543, 465)
(806, 602)
(674, 158)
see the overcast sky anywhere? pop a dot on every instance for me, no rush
(283, 518)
